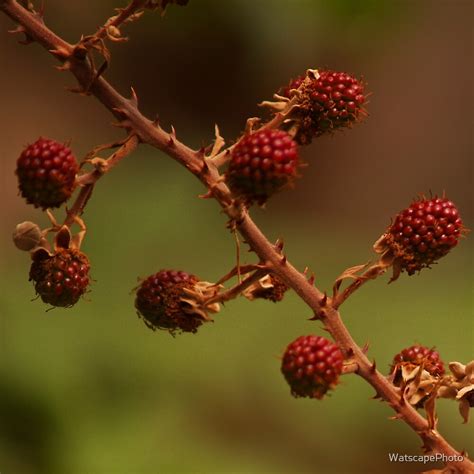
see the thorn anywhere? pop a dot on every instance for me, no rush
(373, 367)
(324, 299)
(311, 280)
(279, 244)
(133, 98)
(170, 142)
(122, 124)
(18, 29)
(201, 152)
(60, 53)
(365, 349)
(315, 317)
(207, 195)
(78, 90)
(283, 260)
(173, 132)
(395, 417)
(156, 121)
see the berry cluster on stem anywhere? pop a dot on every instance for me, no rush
(261, 163)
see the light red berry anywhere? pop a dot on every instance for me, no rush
(418, 355)
(159, 302)
(62, 278)
(312, 365)
(261, 164)
(46, 172)
(423, 233)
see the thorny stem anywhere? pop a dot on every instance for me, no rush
(91, 178)
(237, 289)
(124, 14)
(149, 132)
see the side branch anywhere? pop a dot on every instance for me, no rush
(149, 132)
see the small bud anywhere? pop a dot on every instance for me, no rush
(27, 236)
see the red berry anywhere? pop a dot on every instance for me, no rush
(294, 84)
(418, 355)
(46, 173)
(160, 304)
(60, 279)
(424, 233)
(331, 101)
(311, 366)
(261, 164)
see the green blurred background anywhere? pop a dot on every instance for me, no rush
(91, 389)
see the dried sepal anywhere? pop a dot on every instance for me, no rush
(268, 287)
(460, 387)
(195, 299)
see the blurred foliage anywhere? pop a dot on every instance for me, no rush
(91, 389)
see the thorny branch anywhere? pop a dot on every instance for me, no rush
(126, 111)
(88, 180)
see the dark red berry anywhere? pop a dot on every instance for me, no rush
(329, 101)
(46, 173)
(294, 84)
(60, 279)
(418, 355)
(312, 366)
(423, 233)
(261, 164)
(160, 303)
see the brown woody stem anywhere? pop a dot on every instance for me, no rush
(149, 132)
(237, 289)
(124, 14)
(91, 178)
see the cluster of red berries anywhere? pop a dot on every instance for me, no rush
(261, 164)
(312, 365)
(329, 101)
(159, 301)
(62, 278)
(423, 233)
(46, 173)
(418, 355)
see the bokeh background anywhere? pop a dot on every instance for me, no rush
(91, 389)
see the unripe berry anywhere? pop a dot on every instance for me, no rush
(261, 164)
(46, 173)
(423, 233)
(418, 355)
(62, 278)
(161, 302)
(312, 365)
